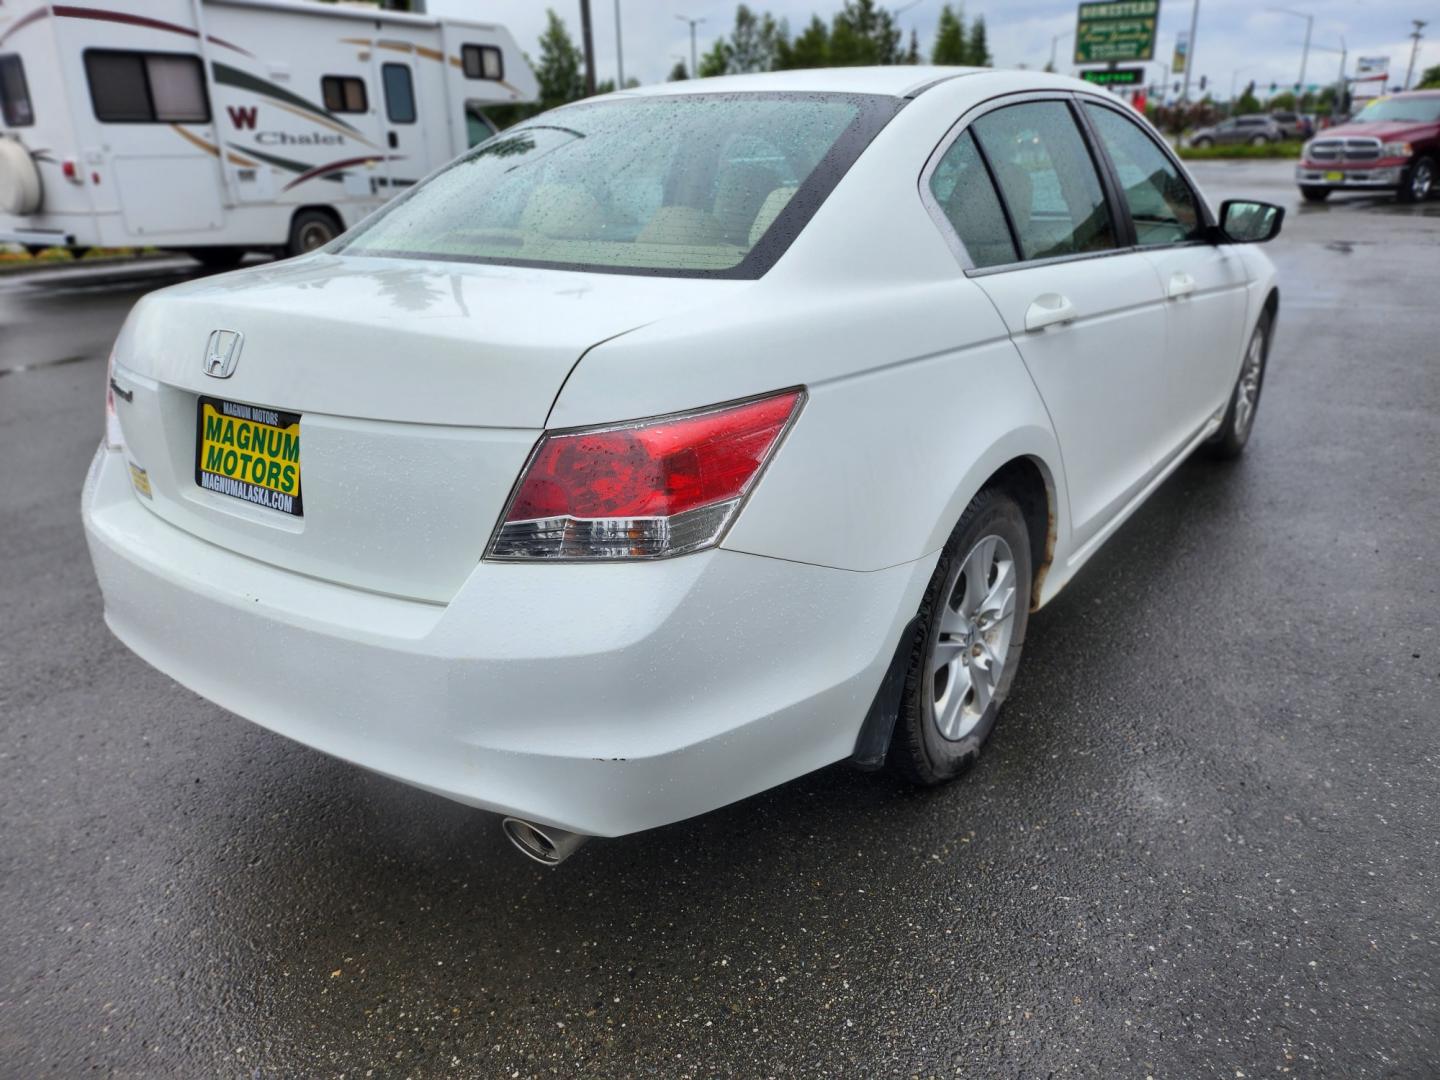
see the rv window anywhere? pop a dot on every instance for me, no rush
(483, 62)
(14, 94)
(344, 94)
(399, 93)
(146, 88)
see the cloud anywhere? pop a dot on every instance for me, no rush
(1236, 40)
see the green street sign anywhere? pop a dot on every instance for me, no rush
(1115, 30)
(1114, 76)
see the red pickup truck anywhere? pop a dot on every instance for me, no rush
(1393, 144)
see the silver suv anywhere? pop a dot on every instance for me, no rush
(1251, 130)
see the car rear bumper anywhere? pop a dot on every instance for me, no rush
(600, 699)
(1388, 176)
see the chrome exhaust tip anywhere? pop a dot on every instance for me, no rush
(543, 843)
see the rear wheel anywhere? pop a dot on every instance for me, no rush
(1203, 142)
(1315, 194)
(1229, 442)
(311, 229)
(1419, 181)
(1259, 140)
(972, 630)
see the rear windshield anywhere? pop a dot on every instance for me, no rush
(1420, 110)
(702, 185)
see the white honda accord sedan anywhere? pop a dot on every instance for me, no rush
(676, 443)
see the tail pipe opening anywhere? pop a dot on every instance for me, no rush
(543, 843)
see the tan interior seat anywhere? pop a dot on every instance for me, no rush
(681, 225)
(562, 212)
(770, 209)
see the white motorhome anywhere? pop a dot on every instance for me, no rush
(219, 127)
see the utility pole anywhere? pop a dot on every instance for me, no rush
(1190, 52)
(619, 52)
(1415, 35)
(1305, 52)
(694, 57)
(588, 43)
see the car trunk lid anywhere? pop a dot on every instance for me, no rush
(416, 389)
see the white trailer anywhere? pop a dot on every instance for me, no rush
(219, 127)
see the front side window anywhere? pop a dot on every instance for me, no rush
(482, 62)
(344, 94)
(687, 185)
(963, 191)
(478, 127)
(399, 93)
(1047, 179)
(1163, 207)
(15, 105)
(146, 88)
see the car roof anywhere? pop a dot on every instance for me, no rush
(895, 80)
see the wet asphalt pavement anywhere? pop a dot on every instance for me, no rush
(1203, 842)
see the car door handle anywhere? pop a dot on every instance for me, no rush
(1181, 284)
(1049, 309)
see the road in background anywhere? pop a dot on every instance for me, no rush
(1202, 843)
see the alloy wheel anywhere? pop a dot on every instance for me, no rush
(313, 235)
(1421, 181)
(967, 661)
(1247, 390)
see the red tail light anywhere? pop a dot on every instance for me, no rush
(643, 490)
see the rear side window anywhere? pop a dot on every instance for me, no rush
(15, 105)
(1161, 203)
(482, 62)
(146, 88)
(962, 189)
(399, 93)
(1047, 179)
(344, 94)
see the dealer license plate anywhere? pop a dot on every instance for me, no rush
(249, 452)
(1335, 176)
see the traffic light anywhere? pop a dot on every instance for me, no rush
(1272, 87)
(1202, 84)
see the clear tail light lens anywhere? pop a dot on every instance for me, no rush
(114, 440)
(643, 490)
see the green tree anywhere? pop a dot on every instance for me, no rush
(912, 54)
(1283, 101)
(678, 72)
(716, 61)
(561, 71)
(1246, 102)
(1430, 78)
(756, 43)
(978, 48)
(811, 49)
(950, 46)
(864, 33)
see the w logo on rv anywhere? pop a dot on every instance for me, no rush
(242, 116)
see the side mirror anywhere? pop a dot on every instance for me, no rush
(1243, 221)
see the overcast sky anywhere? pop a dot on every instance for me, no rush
(1233, 34)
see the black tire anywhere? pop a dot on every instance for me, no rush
(1259, 140)
(1419, 182)
(1203, 142)
(311, 229)
(1230, 441)
(1315, 194)
(217, 258)
(918, 750)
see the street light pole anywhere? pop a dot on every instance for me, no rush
(1190, 51)
(1305, 52)
(619, 52)
(694, 57)
(1420, 24)
(588, 43)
